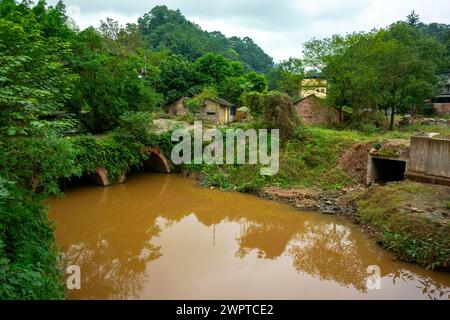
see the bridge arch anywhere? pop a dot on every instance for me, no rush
(101, 177)
(157, 161)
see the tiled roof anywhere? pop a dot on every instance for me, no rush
(223, 102)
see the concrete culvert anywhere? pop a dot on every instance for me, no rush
(386, 170)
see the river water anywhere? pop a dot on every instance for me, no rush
(163, 237)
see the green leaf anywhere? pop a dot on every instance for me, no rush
(12, 131)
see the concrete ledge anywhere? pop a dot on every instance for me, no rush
(420, 177)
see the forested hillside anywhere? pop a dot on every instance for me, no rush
(164, 28)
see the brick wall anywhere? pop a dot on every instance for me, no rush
(442, 108)
(313, 112)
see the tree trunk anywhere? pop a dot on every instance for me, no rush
(391, 124)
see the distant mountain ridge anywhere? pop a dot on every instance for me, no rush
(165, 28)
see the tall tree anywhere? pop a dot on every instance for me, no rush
(413, 19)
(111, 80)
(408, 69)
(178, 78)
(213, 69)
(393, 69)
(287, 76)
(34, 79)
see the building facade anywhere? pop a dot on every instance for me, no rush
(217, 111)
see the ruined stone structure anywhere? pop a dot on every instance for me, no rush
(178, 108)
(217, 110)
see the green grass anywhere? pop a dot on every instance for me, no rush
(402, 133)
(309, 160)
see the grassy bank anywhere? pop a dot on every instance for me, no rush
(410, 219)
(311, 159)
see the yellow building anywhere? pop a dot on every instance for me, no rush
(314, 86)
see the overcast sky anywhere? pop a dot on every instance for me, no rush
(280, 27)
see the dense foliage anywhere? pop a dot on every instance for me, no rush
(275, 110)
(28, 257)
(93, 76)
(33, 78)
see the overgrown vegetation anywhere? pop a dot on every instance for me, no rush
(384, 72)
(29, 264)
(309, 159)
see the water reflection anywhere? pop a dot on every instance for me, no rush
(160, 236)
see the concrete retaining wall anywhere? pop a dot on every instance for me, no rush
(430, 158)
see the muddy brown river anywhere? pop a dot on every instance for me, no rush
(163, 237)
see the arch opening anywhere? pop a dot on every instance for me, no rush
(156, 162)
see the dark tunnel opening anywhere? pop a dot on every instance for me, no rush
(386, 170)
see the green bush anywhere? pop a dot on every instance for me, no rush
(136, 123)
(433, 252)
(37, 164)
(371, 123)
(28, 256)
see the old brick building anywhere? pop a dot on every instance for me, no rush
(441, 102)
(313, 111)
(217, 111)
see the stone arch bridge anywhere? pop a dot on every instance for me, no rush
(157, 162)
